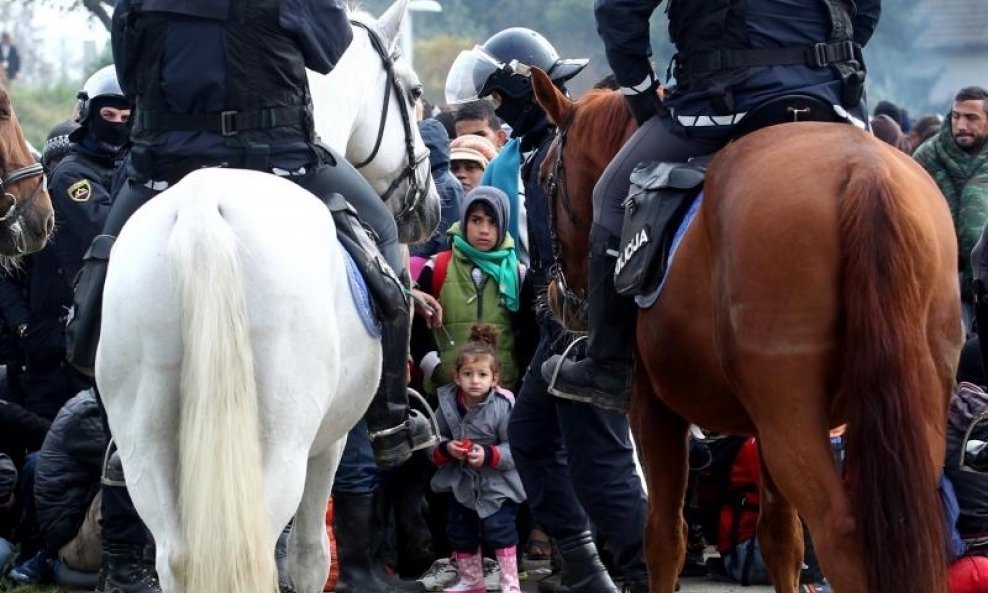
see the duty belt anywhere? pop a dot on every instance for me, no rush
(815, 56)
(226, 123)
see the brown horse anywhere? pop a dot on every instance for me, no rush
(26, 216)
(817, 286)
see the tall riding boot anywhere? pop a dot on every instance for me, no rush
(125, 566)
(603, 378)
(357, 541)
(395, 429)
(582, 570)
(82, 329)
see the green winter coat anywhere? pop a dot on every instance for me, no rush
(464, 305)
(963, 179)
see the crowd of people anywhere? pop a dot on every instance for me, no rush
(517, 481)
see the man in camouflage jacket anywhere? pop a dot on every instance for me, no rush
(957, 159)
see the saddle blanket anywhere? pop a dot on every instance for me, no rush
(361, 296)
(647, 300)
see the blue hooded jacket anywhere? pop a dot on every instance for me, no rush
(450, 191)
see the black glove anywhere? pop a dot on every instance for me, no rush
(645, 104)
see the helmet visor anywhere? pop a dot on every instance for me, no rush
(469, 75)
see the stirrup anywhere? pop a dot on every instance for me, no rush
(429, 416)
(553, 390)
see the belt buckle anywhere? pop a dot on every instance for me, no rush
(228, 123)
(818, 55)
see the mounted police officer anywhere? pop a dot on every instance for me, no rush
(564, 451)
(733, 58)
(207, 94)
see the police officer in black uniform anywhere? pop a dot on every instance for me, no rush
(223, 83)
(82, 186)
(565, 452)
(732, 56)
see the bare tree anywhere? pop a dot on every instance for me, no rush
(101, 9)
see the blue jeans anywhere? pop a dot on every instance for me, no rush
(358, 472)
(467, 530)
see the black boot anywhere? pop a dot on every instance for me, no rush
(358, 539)
(125, 569)
(396, 430)
(126, 566)
(582, 570)
(603, 378)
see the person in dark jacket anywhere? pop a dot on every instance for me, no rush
(564, 451)
(206, 97)
(437, 141)
(67, 481)
(732, 56)
(82, 183)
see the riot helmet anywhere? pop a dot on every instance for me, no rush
(102, 90)
(503, 65)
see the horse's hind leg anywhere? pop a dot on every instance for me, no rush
(661, 436)
(150, 459)
(309, 545)
(797, 454)
(780, 536)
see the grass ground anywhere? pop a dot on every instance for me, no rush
(39, 589)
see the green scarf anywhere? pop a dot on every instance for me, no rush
(499, 264)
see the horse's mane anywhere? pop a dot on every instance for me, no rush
(357, 12)
(602, 120)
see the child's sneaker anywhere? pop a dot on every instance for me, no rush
(820, 587)
(8, 552)
(35, 571)
(440, 575)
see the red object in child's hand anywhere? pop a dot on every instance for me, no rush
(466, 444)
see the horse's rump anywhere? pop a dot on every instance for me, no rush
(840, 281)
(225, 307)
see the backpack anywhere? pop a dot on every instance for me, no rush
(736, 539)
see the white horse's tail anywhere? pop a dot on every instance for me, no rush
(224, 518)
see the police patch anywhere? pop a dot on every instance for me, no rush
(80, 191)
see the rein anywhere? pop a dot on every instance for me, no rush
(391, 84)
(555, 190)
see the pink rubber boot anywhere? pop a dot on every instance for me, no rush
(507, 559)
(471, 569)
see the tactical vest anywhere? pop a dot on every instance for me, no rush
(715, 52)
(266, 99)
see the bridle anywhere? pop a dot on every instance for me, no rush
(414, 192)
(555, 189)
(16, 176)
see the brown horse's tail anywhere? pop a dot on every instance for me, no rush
(885, 383)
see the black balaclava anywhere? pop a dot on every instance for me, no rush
(523, 114)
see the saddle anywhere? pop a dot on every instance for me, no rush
(662, 193)
(386, 288)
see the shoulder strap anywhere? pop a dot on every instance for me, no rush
(439, 271)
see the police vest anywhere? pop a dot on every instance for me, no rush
(714, 52)
(265, 99)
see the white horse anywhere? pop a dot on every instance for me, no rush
(348, 118)
(233, 361)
